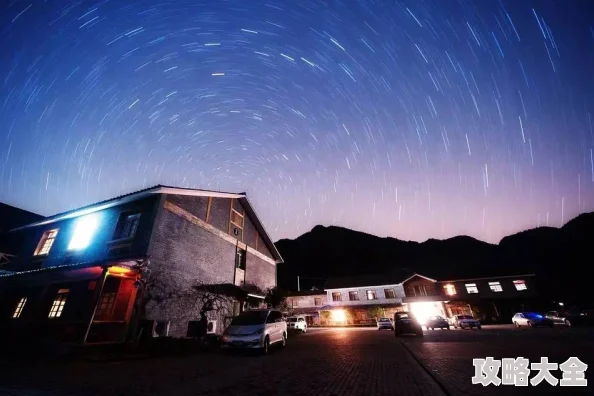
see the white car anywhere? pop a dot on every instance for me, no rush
(297, 323)
(257, 329)
(385, 323)
(465, 322)
(531, 319)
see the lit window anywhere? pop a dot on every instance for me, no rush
(317, 301)
(495, 286)
(520, 285)
(295, 303)
(336, 297)
(353, 296)
(390, 293)
(420, 290)
(471, 288)
(84, 230)
(46, 242)
(449, 289)
(19, 308)
(371, 294)
(59, 302)
(127, 225)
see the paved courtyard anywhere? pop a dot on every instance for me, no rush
(323, 362)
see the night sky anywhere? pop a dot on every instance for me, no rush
(413, 119)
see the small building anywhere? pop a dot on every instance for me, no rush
(142, 264)
(307, 303)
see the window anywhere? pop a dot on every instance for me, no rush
(371, 295)
(420, 290)
(240, 258)
(106, 304)
(336, 297)
(84, 230)
(471, 288)
(520, 285)
(45, 243)
(19, 308)
(495, 286)
(295, 302)
(390, 293)
(353, 296)
(274, 317)
(59, 302)
(236, 218)
(317, 301)
(449, 289)
(126, 226)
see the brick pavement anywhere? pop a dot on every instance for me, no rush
(345, 362)
(448, 355)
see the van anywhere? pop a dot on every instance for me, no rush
(256, 329)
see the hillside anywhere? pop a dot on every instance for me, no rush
(554, 254)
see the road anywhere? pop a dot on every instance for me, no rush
(348, 362)
(448, 355)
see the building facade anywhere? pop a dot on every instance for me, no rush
(143, 262)
(307, 303)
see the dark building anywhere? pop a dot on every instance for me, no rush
(12, 217)
(145, 262)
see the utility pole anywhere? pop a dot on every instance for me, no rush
(298, 287)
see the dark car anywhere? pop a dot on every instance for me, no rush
(405, 323)
(437, 322)
(570, 318)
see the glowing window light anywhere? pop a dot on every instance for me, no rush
(423, 310)
(83, 232)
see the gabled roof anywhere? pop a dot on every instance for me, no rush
(11, 217)
(161, 189)
(420, 276)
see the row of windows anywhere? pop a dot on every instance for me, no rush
(471, 288)
(84, 230)
(370, 294)
(55, 310)
(317, 302)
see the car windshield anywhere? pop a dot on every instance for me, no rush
(403, 316)
(291, 320)
(465, 317)
(384, 320)
(250, 318)
(532, 315)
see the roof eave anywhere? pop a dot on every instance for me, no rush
(261, 229)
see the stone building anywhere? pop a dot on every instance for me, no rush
(142, 262)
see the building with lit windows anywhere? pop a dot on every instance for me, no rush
(107, 272)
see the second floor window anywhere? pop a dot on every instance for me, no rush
(420, 290)
(520, 285)
(19, 308)
(240, 259)
(471, 288)
(390, 293)
(317, 301)
(353, 296)
(371, 295)
(295, 302)
(449, 289)
(58, 304)
(127, 225)
(495, 286)
(336, 297)
(46, 242)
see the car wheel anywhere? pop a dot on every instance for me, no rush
(455, 327)
(396, 333)
(517, 324)
(265, 348)
(304, 330)
(284, 342)
(478, 327)
(567, 322)
(420, 334)
(529, 323)
(448, 327)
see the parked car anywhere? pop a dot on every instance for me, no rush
(531, 319)
(385, 323)
(257, 329)
(297, 323)
(405, 323)
(465, 322)
(434, 322)
(570, 318)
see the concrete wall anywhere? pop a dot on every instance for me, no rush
(186, 250)
(362, 294)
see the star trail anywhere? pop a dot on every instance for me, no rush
(413, 119)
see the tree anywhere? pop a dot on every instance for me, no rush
(276, 298)
(375, 312)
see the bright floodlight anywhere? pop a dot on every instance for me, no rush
(338, 315)
(423, 310)
(83, 232)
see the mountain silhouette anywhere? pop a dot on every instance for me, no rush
(555, 255)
